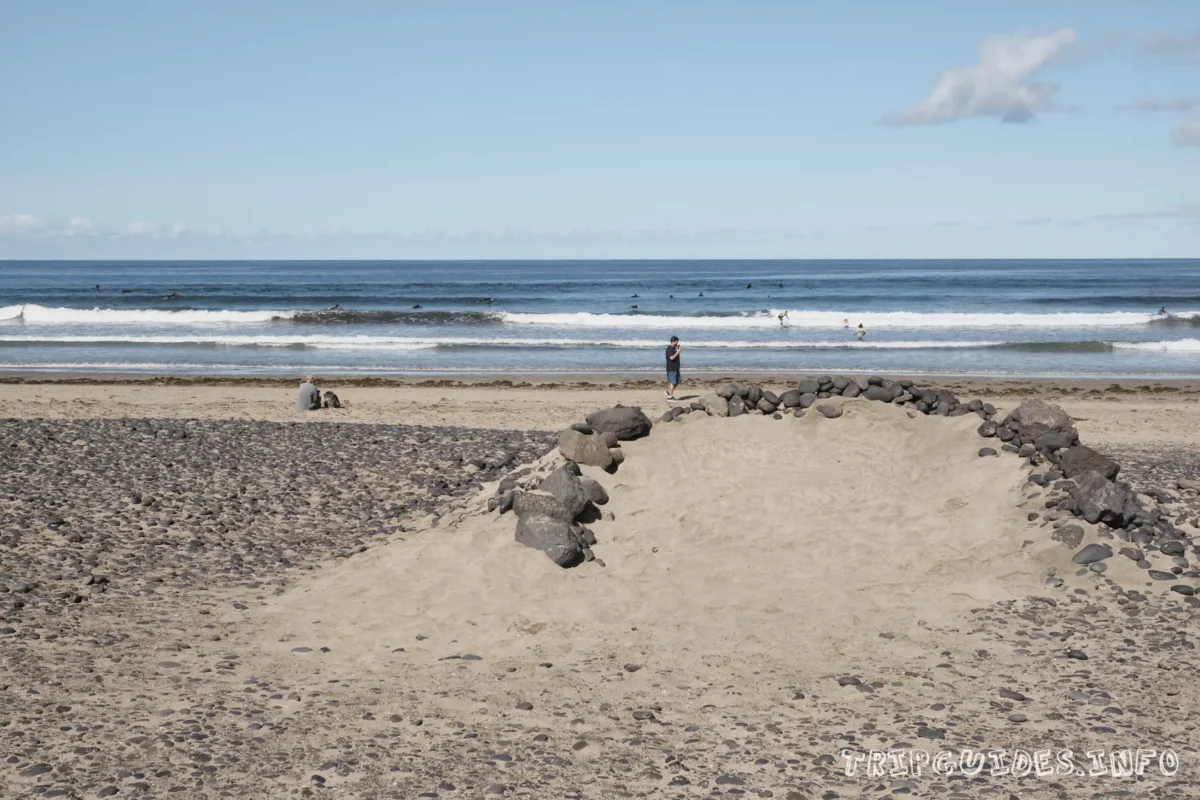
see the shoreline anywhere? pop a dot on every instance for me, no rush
(593, 380)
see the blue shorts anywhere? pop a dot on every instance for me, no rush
(673, 377)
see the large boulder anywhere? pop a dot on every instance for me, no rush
(626, 423)
(587, 449)
(567, 489)
(809, 386)
(1097, 499)
(1082, 459)
(851, 390)
(1033, 419)
(765, 406)
(540, 504)
(554, 537)
(725, 391)
(715, 405)
(737, 406)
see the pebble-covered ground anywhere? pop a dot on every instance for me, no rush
(126, 546)
(115, 535)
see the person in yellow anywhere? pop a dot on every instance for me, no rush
(860, 333)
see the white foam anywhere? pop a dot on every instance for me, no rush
(1172, 345)
(43, 315)
(827, 319)
(327, 342)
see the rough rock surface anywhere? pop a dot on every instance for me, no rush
(587, 449)
(627, 423)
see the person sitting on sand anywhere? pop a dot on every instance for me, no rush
(860, 333)
(309, 396)
(672, 367)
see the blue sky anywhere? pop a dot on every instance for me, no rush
(915, 129)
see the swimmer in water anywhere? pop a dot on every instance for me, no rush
(749, 285)
(860, 333)
(172, 296)
(701, 294)
(418, 305)
(845, 324)
(633, 307)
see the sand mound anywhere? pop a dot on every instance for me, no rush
(745, 535)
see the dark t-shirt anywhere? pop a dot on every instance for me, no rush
(672, 358)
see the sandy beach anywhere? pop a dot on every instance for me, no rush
(201, 597)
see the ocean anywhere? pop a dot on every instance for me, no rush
(339, 318)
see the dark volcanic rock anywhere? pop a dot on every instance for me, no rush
(567, 489)
(1093, 553)
(553, 537)
(1082, 459)
(1033, 419)
(540, 504)
(626, 423)
(1097, 499)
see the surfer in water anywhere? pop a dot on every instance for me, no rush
(335, 307)
(860, 333)
(1162, 312)
(783, 319)
(172, 296)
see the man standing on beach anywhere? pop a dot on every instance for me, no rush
(672, 367)
(309, 397)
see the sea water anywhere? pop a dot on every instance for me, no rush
(1020, 318)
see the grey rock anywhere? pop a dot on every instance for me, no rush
(851, 390)
(540, 504)
(830, 410)
(587, 449)
(553, 537)
(1081, 459)
(807, 399)
(1069, 535)
(808, 386)
(1093, 553)
(986, 451)
(766, 406)
(596, 493)
(567, 489)
(627, 423)
(725, 391)
(1035, 418)
(1097, 499)
(790, 398)
(737, 406)
(715, 405)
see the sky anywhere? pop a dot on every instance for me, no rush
(599, 129)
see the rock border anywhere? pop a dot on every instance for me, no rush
(1081, 482)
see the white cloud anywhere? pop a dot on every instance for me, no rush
(142, 228)
(1172, 47)
(80, 226)
(998, 86)
(1187, 133)
(1154, 104)
(16, 224)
